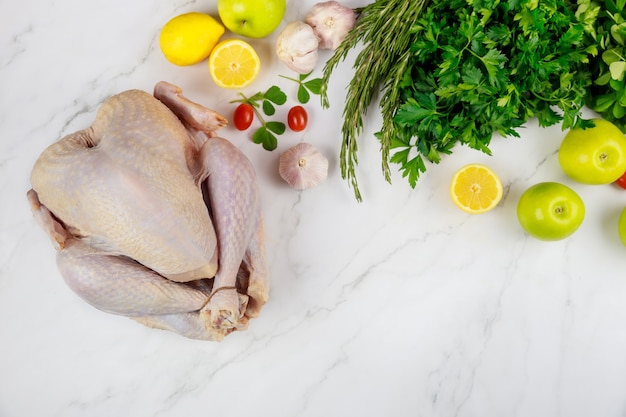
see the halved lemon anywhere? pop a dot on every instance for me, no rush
(475, 188)
(234, 63)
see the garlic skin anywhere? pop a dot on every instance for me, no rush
(303, 166)
(331, 22)
(296, 47)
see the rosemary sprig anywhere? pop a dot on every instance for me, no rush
(384, 28)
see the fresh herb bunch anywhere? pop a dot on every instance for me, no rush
(484, 68)
(383, 27)
(265, 135)
(605, 24)
(458, 71)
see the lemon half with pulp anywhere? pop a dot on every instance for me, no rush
(475, 188)
(234, 64)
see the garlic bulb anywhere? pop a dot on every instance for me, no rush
(303, 166)
(331, 22)
(296, 46)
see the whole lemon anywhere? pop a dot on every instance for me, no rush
(189, 38)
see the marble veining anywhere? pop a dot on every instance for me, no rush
(400, 305)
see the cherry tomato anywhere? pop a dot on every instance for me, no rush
(297, 118)
(621, 181)
(244, 114)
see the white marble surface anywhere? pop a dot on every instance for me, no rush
(401, 305)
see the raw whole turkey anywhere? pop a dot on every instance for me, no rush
(155, 217)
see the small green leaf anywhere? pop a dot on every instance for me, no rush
(268, 108)
(472, 75)
(493, 60)
(433, 155)
(276, 95)
(303, 95)
(573, 36)
(276, 127)
(412, 170)
(270, 142)
(409, 114)
(314, 85)
(259, 136)
(400, 157)
(503, 101)
(611, 56)
(603, 79)
(617, 70)
(547, 117)
(616, 84)
(450, 59)
(619, 32)
(266, 138)
(619, 111)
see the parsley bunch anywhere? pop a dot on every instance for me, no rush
(458, 71)
(605, 24)
(487, 67)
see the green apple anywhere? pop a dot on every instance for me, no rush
(550, 211)
(621, 226)
(251, 18)
(596, 155)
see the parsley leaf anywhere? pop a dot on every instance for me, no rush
(275, 95)
(306, 88)
(264, 137)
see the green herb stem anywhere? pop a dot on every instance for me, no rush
(384, 28)
(290, 78)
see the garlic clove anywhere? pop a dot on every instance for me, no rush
(296, 47)
(303, 166)
(331, 21)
